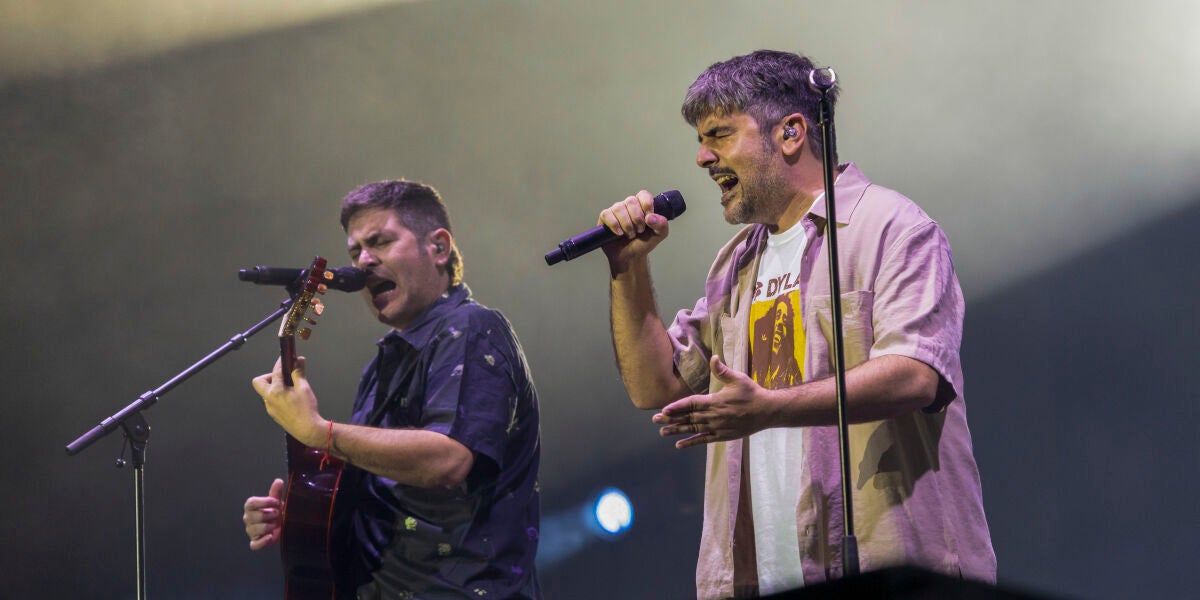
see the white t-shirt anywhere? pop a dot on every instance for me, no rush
(777, 359)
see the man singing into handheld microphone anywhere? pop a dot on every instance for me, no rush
(439, 498)
(722, 375)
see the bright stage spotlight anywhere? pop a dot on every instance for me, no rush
(612, 513)
(604, 516)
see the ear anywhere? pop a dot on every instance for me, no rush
(792, 134)
(439, 243)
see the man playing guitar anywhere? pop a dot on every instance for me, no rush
(439, 496)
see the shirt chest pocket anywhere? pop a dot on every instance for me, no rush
(857, 331)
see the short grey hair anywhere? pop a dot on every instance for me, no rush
(765, 84)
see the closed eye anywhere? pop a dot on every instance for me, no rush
(374, 242)
(718, 132)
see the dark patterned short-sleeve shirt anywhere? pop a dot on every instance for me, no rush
(460, 371)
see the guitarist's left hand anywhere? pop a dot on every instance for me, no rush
(295, 407)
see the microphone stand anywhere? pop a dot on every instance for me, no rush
(849, 542)
(137, 430)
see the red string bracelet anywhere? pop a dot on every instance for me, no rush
(328, 447)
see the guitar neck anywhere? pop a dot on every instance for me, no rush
(287, 355)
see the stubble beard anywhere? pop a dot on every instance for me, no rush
(764, 195)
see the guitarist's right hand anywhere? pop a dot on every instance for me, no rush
(262, 517)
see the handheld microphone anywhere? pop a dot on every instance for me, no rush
(346, 279)
(668, 204)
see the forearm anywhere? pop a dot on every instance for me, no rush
(881, 388)
(408, 456)
(643, 349)
(414, 457)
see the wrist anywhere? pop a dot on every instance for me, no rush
(628, 269)
(327, 449)
(317, 433)
(779, 404)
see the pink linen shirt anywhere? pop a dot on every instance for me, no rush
(916, 490)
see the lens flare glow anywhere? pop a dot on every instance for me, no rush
(613, 511)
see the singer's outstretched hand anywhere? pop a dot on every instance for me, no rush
(738, 409)
(634, 219)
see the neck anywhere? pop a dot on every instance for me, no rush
(807, 180)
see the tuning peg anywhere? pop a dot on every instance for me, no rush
(318, 307)
(311, 320)
(305, 333)
(322, 288)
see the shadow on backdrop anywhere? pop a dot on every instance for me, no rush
(1082, 393)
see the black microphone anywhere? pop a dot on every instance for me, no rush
(346, 279)
(668, 204)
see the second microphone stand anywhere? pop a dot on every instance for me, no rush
(825, 116)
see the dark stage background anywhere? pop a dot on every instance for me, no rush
(1055, 142)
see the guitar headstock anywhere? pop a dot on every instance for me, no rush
(305, 300)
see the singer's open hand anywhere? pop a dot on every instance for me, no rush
(634, 219)
(294, 408)
(738, 409)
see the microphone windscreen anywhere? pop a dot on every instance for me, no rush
(669, 204)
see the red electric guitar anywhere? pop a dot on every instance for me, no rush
(313, 476)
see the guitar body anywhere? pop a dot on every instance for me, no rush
(307, 515)
(313, 477)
